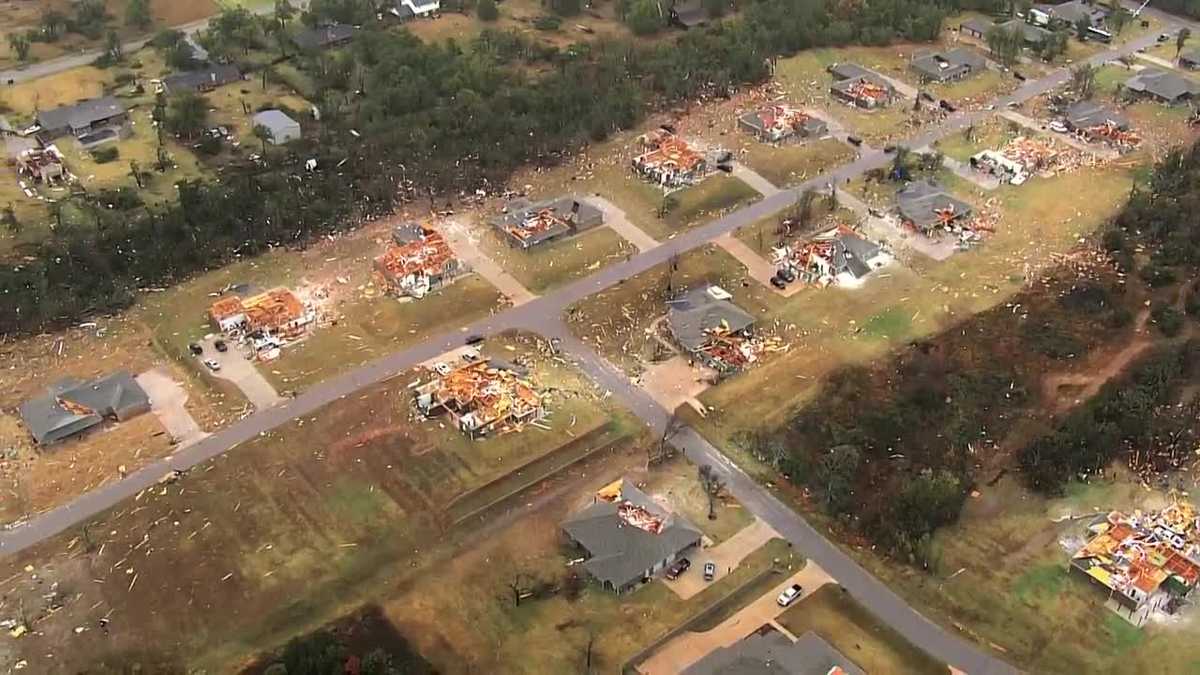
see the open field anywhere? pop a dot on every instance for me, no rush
(24, 99)
(991, 134)
(347, 505)
(855, 632)
(554, 263)
(793, 164)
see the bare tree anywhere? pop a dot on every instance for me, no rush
(663, 450)
(713, 484)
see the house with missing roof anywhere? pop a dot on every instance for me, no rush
(669, 161)
(925, 207)
(203, 79)
(481, 398)
(82, 118)
(324, 37)
(71, 406)
(860, 87)
(526, 224)
(838, 256)
(1165, 86)
(768, 651)
(779, 123)
(627, 537)
(947, 66)
(417, 262)
(711, 329)
(277, 313)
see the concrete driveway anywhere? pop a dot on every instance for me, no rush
(674, 382)
(462, 241)
(168, 402)
(616, 219)
(683, 651)
(241, 371)
(726, 556)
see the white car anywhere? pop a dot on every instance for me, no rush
(212, 364)
(1057, 125)
(789, 595)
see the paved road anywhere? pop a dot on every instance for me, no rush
(542, 315)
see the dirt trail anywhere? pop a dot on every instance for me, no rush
(1066, 390)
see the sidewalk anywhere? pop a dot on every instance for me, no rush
(616, 219)
(756, 266)
(459, 238)
(752, 178)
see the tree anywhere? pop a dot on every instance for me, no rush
(900, 162)
(566, 7)
(114, 51)
(187, 114)
(1005, 43)
(20, 44)
(263, 134)
(803, 211)
(283, 13)
(662, 450)
(1118, 18)
(487, 10)
(715, 9)
(8, 216)
(1083, 80)
(713, 484)
(1082, 24)
(645, 17)
(51, 25)
(90, 16)
(1052, 46)
(137, 13)
(136, 172)
(1181, 39)
(834, 476)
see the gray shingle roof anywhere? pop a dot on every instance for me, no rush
(696, 312)
(621, 553)
(851, 253)
(81, 114)
(212, 75)
(919, 202)
(1033, 34)
(949, 64)
(276, 121)
(1072, 11)
(324, 36)
(1085, 114)
(1165, 84)
(769, 652)
(977, 24)
(86, 404)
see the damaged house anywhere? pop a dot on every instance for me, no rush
(860, 87)
(926, 207)
(780, 123)
(627, 537)
(839, 256)
(1165, 86)
(82, 118)
(712, 330)
(526, 224)
(1096, 123)
(669, 161)
(481, 398)
(72, 406)
(417, 262)
(42, 165)
(947, 66)
(1145, 562)
(277, 313)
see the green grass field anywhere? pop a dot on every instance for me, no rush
(554, 263)
(792, 164)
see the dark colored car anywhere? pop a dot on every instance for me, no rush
(927, 96)
(474, 339)
(778, 283)
(678, 568)
(947, 106)
(854, 140)
(221, 346)
(889, 149)
(1019, 76)
(195, 349)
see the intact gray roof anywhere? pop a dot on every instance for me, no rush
(81, 114)
(621, 553)
(1085, 114)
(1032, 33)
(850, 71)
(948, 64)
(87, 403)
(920, 201)
(977, 24)
(769, 652)
(1074, 10)
(212, 75)
(695, 312)
(274, 120)
(323, 36)
(851, 253)
(1165, 84)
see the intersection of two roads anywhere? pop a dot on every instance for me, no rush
(543, 315)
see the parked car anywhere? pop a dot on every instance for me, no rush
(474, 339)
(789, 595)
(947, 106)
(221, 346)
(1164, 37)
(854, 140)
(1057, 125)
(778, 283)
(441, 368)
(1019, 76)
(212, 364)
(889, 149)
(710, 571)
(787, 274)
(678, 568)
(195, 349)
(927, 96)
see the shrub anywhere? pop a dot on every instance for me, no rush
(1168, 319)
(106, 154)
(486, 10)
(1157, 275)
(547, 22)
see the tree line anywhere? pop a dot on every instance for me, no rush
(401, 119)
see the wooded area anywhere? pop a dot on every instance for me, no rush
(427, 120)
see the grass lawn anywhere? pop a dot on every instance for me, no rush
(24, 99)
(793, 164)
(977, 89)
(557, 262)
(856, 633)
(989, 135)
(707, 200)
(677, 483)
(368, 328)
(766, 234)
(234, 106)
